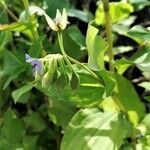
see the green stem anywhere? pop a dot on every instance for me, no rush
(12, 15)
(109, 33)
(26, 5)
(67, 58)
(61, 45)
(85, 67)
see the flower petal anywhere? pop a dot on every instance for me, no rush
(63, 22)
(58, 18)
(51, 23)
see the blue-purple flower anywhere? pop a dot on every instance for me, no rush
(36, 63)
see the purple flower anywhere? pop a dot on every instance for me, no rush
(36, 63)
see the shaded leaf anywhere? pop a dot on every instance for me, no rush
(19, 92)
(127, 96)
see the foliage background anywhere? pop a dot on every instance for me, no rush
(29, 119)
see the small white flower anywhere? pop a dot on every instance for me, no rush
(60, 21)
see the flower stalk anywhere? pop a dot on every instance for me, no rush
(68, 59)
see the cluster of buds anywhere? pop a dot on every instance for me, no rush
(52, 69)
(45, 69)
(60, 21)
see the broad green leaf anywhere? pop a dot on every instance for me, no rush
(85, 15)
(146, 120)
(19, 92)
(60, 109)
(139, 34)
(34, 122)
(36, 48)
(108, 82)
(10, 62)
(91, 129)
(53, 5)
(118, 11)
(12, 125)
(74, 43)
(5, 37)
(96, 48)
(145, 85)
(122, 65)
(14, 75)
(123, 26)
(71, 38)
(139, 4)
(90, 92)
(142, 58)
(122, 49)
(77, 36)
(29, 142)
(127, 96)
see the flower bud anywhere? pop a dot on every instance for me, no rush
(48, 76)
(60, 21)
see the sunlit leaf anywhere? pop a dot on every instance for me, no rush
(118, 11)
(96, 48)
(92, 129)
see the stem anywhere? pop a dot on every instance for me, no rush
(85, 67)
(26, 5)
(67, 58)
(12, 15)
(61, 45)
(109, 33)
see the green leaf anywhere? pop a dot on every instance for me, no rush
(5, 38)
(36, 48)
(85, 15)
(139, 34)
(96, 48)
(29, 142)
(122, 65)
(77, 36)
(147, 98)
(108, 82)
(60, 109)
(118, 12)
(19, 92)
(74, 42)
(127, 97)
(34, 122)
(12, 126)
(90, 93)
(139, 4)
(92, 129)
(10, 61)
(142, 58)
(53, 5)
(75, 81)
(122, 49)
(146, 122)
(13, 75)
(145, 85)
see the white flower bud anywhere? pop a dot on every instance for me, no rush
(60, 21)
